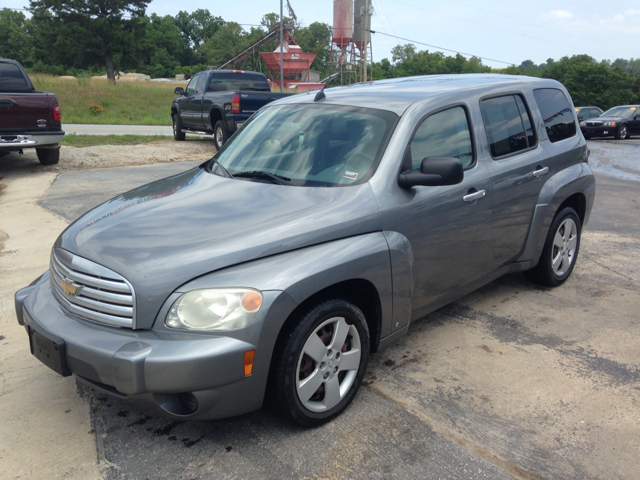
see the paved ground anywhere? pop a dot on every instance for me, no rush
(81, 129)
(510, 381)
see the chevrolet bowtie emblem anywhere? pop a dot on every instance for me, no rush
(69, 287)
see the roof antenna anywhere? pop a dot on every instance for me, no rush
(320, 95)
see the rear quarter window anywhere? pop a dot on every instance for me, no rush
(556, 113)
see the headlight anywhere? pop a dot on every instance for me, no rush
(583, 124)
(609, 124)
(215, 309)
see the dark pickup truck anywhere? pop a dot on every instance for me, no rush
(28, 118)
(218, 102)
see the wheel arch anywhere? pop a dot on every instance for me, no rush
(215, 115)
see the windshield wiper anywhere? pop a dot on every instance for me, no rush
(224, 170)
(274, 177)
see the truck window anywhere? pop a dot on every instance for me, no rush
(556, 113)
(12, 79)
(443, 134)
(202, 80)
(508, 125)
(191, 88)
(221, 82)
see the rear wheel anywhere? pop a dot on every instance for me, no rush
(220, 134)
(622, 133)
(178, 134)
(321, 363)
(48, 156)
(560, 250)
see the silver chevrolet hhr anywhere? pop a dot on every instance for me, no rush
(313, 238)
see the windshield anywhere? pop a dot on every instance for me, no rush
(310, 144)
(620, 112)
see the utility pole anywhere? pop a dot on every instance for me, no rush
(366, 36)
(281, 51)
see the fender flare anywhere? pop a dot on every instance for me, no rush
(577, 179)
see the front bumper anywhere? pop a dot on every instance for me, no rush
(30, 140)
(599, 131)
(158, 368)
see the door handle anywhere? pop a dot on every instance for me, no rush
(540, 171)
(472, 197)
(5, 102)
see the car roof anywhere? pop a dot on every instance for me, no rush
(397, 94)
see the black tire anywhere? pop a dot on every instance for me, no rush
(220, 134)
(565, 249)
(327, 322)
(623, 132)
(178, 134)
(48, 156)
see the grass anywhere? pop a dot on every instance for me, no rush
(93, 140)
(125, 103)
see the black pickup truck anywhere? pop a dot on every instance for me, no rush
(28, 118)
(218, 102)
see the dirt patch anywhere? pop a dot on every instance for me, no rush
(109, 156)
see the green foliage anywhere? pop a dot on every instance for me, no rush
(407, 61)
(15, 41)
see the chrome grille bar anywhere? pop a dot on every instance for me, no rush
(91, 290)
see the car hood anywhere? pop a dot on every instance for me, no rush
(605, 119)
(168, 232)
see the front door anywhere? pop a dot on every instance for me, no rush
(448, 226)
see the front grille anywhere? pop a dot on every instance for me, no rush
(594, 124)
(91, 290)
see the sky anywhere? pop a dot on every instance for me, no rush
(501, 32)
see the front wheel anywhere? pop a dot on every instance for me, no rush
(220, 134)
(622, 133)
(48, 156)
(178, 134)
(560, 250)
(321, 363)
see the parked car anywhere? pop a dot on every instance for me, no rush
(28, 118)
(619, 122)
(584, 113)
(313, 238)
(218, 102)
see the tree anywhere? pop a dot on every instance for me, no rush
(97, 27)
(15, 41)
(196, 27)
(316, 38)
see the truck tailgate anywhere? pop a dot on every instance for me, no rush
(251, 102)
(25, 111)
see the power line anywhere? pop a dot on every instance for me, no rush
(489, 26)
(541, 26)
(441, 48)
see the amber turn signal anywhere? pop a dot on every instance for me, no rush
(251, 301)
(249, 356)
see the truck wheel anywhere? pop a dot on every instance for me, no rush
(622, 132)
(48, 156)
(178, 134)
(560, 250)
(220, 134)
(321, 363)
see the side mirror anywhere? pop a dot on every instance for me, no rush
(179, 91)
(434, 171)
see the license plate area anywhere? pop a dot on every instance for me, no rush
(50, 350)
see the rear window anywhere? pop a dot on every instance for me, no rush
(556, 113)
(508, 125)
(238, 81)
(12, 79)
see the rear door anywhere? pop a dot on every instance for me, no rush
(515, 184)
(634, 122)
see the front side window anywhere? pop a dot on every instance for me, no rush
(508, 125)
(310, 144)
(443, 134)
(191, 88)
(556, 113)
